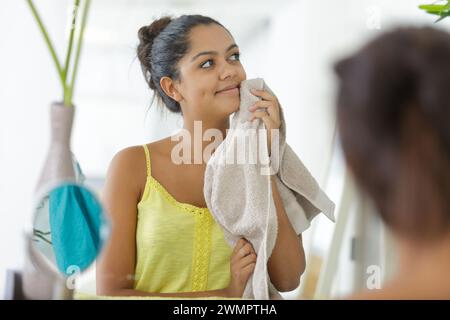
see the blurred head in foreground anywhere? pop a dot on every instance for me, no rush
(393, 113)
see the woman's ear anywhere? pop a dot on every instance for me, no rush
(169, 88)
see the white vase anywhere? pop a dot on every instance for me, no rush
(58, 166)
(41, 278)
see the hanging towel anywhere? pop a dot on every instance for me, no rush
(77, 227)
(238, 192)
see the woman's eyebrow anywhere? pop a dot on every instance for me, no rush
(213, 52)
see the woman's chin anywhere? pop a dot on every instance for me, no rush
(234, 106)
(227, 107)
(232, 109)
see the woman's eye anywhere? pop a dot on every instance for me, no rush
(206, 64)
(237, 56)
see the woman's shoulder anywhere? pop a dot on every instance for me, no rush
(161, 147)
(128, 157)
(134, 153)
(127, 168)
(133, 159)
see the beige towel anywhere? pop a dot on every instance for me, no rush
(238, 191)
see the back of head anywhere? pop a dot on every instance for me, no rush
(393, 114)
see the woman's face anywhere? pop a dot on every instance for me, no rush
(211, 65)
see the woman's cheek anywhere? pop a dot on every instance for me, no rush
(243, 74)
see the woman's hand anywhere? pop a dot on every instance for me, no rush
(242, 265)
(270, 116)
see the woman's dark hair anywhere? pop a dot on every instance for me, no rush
(393, 114)
(161, 46)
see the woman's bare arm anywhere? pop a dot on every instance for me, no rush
(287, 261)
(115, 266)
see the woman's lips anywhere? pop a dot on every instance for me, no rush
(234, 90)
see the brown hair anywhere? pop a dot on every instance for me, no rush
(161, 46)
(393, 114)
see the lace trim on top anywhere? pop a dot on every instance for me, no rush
(202, 234)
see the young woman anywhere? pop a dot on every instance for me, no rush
(164, 240)
(394, 114)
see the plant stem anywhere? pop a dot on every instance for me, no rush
(71, 85)
(72, 31)
(47, 41)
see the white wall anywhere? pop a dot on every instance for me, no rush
(27, 86)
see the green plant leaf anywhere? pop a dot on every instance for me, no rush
(443, 17)
(441, 10)
(72, 32)
(434, 7)
(48, 41)
(71, 85)
(63, 73)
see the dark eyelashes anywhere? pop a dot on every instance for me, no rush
(237, 54)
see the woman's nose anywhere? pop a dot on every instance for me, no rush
(227, 71)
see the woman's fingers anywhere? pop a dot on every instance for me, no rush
(246, 250)
(261, 104)
(269, 106)
(242, 264)
(265, 117)
(237, 248)
(248, 270)
(242, 252)
(245, 261)
(271, 114)
(264, 95)
(238, 245)
(262, 114)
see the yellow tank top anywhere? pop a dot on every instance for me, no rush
(180, 247)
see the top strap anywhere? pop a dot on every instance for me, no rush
(147, 157)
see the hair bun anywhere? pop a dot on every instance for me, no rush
(147, 35)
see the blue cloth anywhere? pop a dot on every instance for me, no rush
(76, 220)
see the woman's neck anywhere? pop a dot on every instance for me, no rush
(194, 125)
(201, 135)
(422, 273)
(424, 268)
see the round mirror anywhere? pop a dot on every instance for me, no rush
(69, 227)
